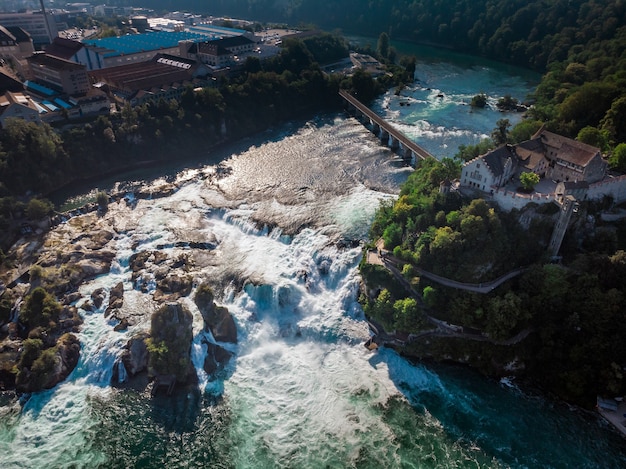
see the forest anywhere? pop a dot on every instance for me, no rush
(570, 313)
(577, 44)
(529, 33)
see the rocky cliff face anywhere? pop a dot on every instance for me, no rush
(217, 319)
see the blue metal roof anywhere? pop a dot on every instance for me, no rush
(62, 103)
(49, 105)
(37, 88)
(133, 43)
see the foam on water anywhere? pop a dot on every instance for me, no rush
(57, 426)
(435, 112)
(301, 390)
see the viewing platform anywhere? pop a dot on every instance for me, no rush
(408, 150)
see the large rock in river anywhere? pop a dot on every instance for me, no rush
(135, 357)
(217, 319)
(46, 368)
(169, 345)
(216, 358)
(116, 298)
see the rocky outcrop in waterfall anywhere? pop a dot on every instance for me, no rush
(169, 344)
(116, 299)
(135, 356)
(216, 358)
(222, 326)
(43, 368)
(217, 319)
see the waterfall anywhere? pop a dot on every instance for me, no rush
(122, 375)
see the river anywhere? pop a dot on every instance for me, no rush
(301, 390)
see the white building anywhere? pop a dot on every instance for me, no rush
(547, 154)
(491, 170)
(18, 106)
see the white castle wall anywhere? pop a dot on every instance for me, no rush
(508, 200)
(612, 186)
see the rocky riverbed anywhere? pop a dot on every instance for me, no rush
(82, 246)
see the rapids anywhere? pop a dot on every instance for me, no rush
(281, 213)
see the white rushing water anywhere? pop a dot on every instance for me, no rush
(300, 390)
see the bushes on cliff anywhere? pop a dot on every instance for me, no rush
(33, 157)
(40, 309)
(41, 368)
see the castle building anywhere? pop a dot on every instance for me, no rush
(547, 154)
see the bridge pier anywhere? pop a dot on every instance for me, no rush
(395, 143)
(408, 156)
(384, 137)
(375, 128)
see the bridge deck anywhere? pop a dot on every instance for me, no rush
(386, 126)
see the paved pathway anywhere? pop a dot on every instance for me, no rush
(442, 328)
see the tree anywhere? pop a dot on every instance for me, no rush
(406, 315)
(594, 136)
(431, 296)
(37, 209)
(40, 309)
(103, 201)
(252, 64)
(617, 160)
(524, 130)
(392, 235)
(363, 86)
(588, 104)
(479, 100)
(34, 158)
(469, 152)
(503, 315)
(500, 133)
(615, 120)
(382, 308)
(383, 46)
(529, 180)
(410, 64)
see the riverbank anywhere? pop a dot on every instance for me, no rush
(614, 416)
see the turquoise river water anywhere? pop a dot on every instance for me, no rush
(301, 390)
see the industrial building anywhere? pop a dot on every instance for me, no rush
(114, 51)
(218, 53)
(15, 43)
(165, 76)
(41, 26)
(59, 74)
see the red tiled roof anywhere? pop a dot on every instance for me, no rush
(568, 149)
